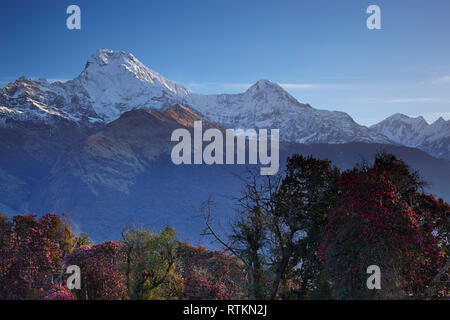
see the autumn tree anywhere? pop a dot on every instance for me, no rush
(432, 215)
(101, 278)
(408, 182)
(58, 292)
(373, 226)
(210, 274)
(30, 255)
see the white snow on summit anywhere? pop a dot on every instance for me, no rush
(267, 105)
(416, 132)
(401, 129)
(114, 82)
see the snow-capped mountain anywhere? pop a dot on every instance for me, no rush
(117, 82)
(402, 129)
(416, 132)
(114, 82)
(42, 101)
(267, 105)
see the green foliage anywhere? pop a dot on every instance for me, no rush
(69, 240)
(150, 261)
(249, 237)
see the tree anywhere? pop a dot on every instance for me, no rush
(211, 275)
(150, 261)
(373, 226)
(101, 278)
(248, 240)
(58, 292)
(69, 240)
(306, 198)
(407, 182)
(279, 224)
(30, 255)
(432, 214)
(7, 253)
(434, 217)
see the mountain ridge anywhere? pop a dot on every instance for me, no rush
(114, 82)
(432, 138)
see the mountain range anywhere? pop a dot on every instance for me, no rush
(114, 82)
(98, 146)
(417, 133)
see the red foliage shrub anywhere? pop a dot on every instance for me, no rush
(211, 274)
(100, 275)
(59, 292)
(373, 227)
(30, 255)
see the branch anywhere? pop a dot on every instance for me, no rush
(437, 277)
(207, 216)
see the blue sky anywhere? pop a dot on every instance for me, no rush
(320, 51)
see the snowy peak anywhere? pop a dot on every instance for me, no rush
(417, 121)
(267, 105)
(265, 85)
(119, 63)
(441, 123)
(439, 128)
(40, 100)
(420, 121)
(114, 82)
(105, 56)
(117, 82)
(265, 91)
(21, 88)
(259, 106)
(416, 132)
(402, 129)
